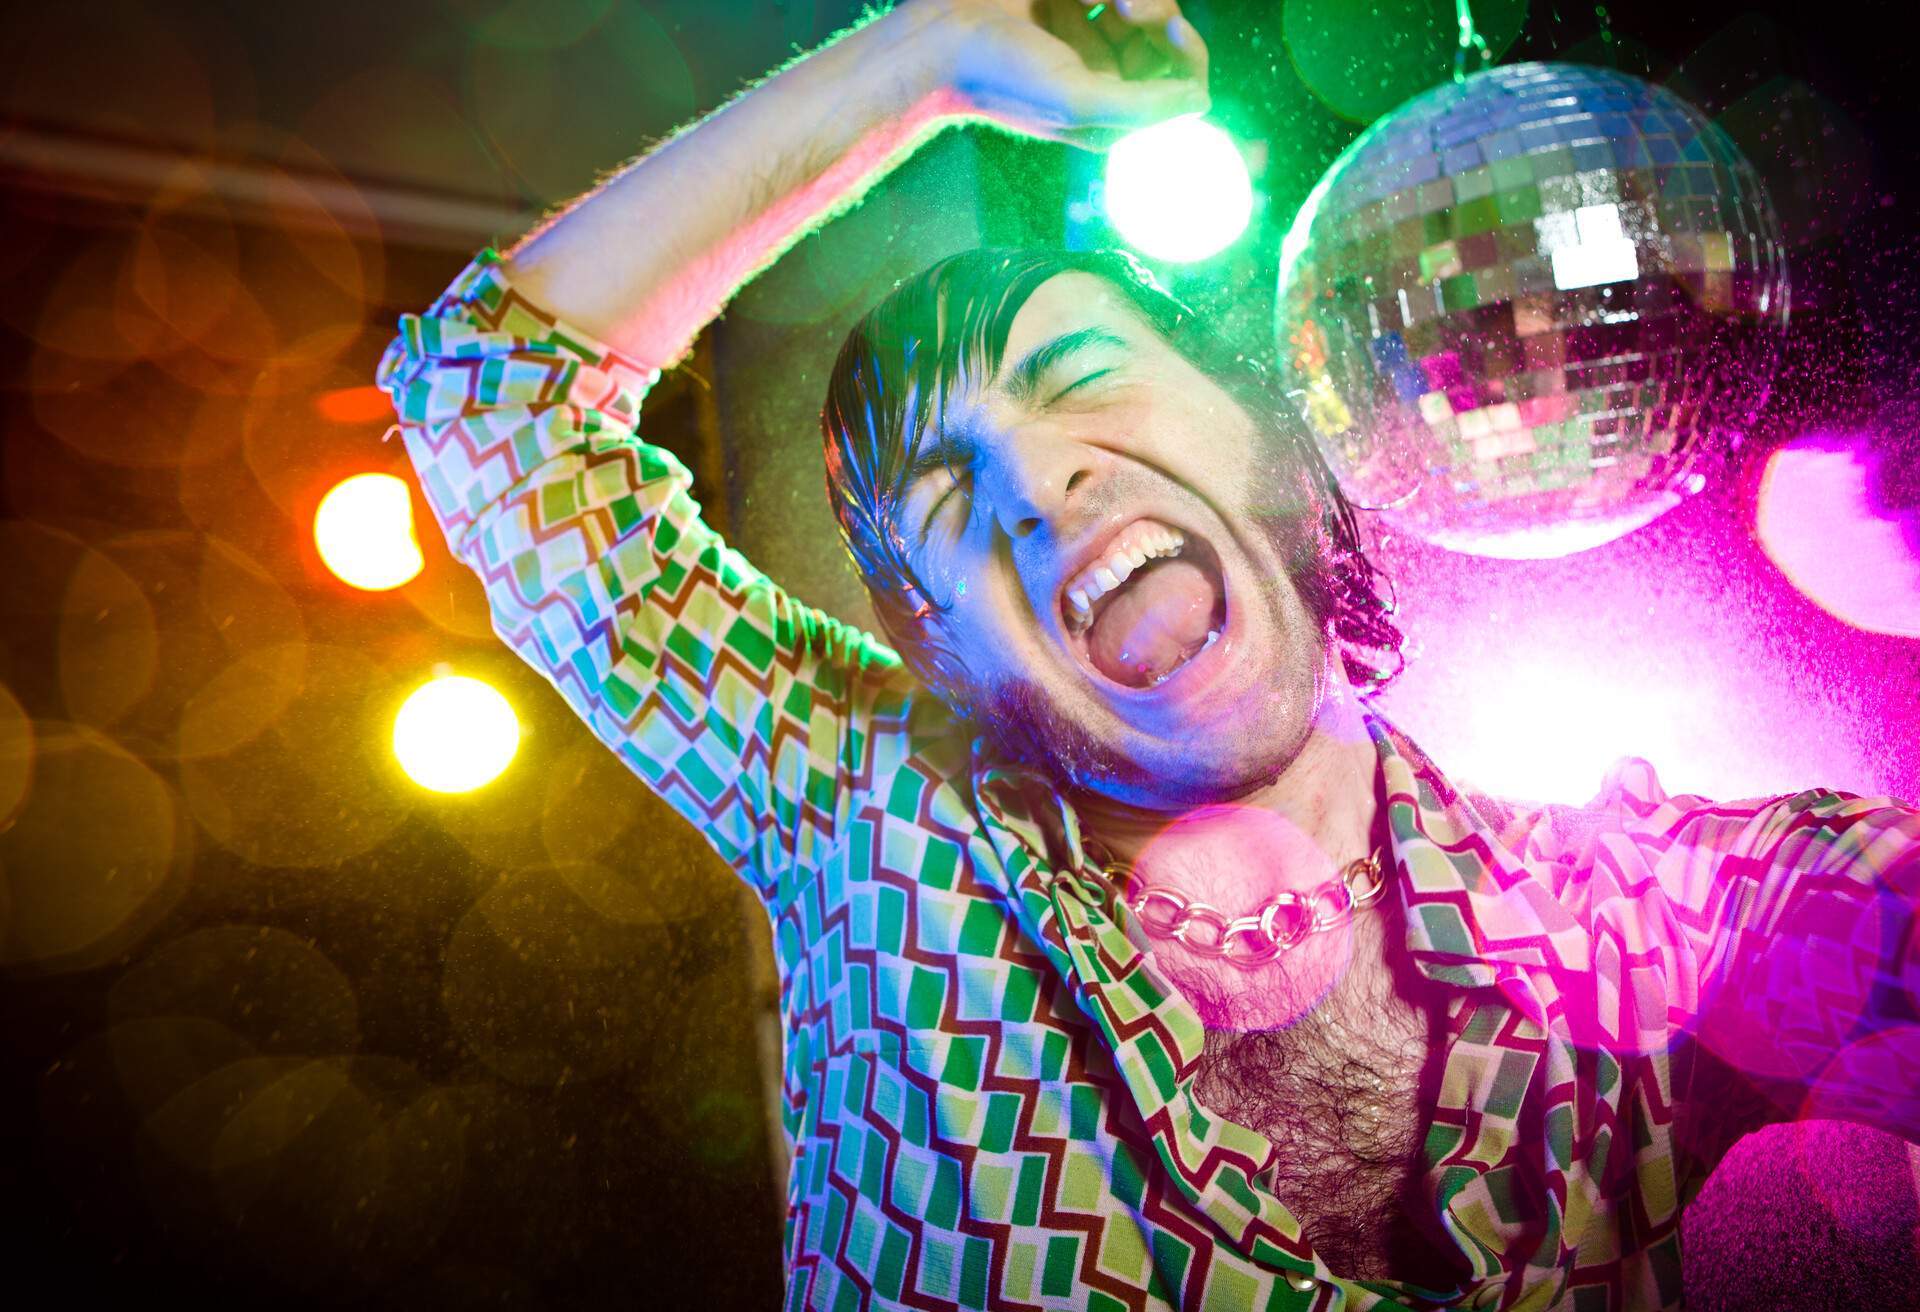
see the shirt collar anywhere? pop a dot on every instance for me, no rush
(1475, 916)
(1476, 913)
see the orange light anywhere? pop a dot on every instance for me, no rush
(364, 529)
(354, 405)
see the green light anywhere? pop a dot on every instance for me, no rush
(1178, 191)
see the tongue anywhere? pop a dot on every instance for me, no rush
(1157, 620)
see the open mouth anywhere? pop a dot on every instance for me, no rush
(1151, 603)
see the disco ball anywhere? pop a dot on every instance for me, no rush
(1527, 313)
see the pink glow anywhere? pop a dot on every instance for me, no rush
(1809, 984)
(1816, 519)
(1869, 1082)
(1597, 716)
(1266, 854)
(1680, 643)
(1872, 1079)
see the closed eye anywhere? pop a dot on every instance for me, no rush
(959, 480)
(1079, 383)
(943, 456)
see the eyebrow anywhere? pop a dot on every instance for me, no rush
(1023, 380)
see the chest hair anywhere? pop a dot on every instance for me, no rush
(1341, 1095)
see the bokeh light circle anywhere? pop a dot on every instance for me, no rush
(589, 803)
(1869, 1080)
(454, 734)
(1179, 190)
(543, 985)
(241, 702)
(312, 789)
(1815, 516)
(91, 860)
(1361, 60)
(515, 90)
(16, 760)
(109, 641)
(364, 530)
(277, 992)
(211, 603)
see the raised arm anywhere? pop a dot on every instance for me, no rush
(651, 256)
(519, 391)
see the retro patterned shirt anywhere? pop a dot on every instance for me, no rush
(989, 1084)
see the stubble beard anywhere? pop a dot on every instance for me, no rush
(1028, 726)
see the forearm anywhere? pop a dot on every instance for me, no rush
(651, 256)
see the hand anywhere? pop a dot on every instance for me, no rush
(1072, 70)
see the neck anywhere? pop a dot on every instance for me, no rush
(1310, 821)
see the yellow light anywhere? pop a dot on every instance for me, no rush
(364, 529)
(454, 734)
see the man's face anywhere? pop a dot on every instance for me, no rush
(1100, 517)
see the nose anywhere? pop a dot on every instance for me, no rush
(1033, 474)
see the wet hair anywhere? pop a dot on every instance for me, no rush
(892, 381)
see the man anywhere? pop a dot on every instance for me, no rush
(1128, 958)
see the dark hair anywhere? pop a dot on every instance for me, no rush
(890, 385)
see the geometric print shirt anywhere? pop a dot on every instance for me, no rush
(989, 1084)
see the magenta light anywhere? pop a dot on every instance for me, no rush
(1816, 519)
(1682, 644)
(1547, 727)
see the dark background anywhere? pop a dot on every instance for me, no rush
(278, 1026)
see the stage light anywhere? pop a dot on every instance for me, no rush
(454, 734)
(1178, 191)
(364, 529)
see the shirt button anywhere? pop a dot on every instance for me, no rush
(1302, 1282)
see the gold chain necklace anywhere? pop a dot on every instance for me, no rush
(1283, 922)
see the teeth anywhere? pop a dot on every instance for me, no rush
(1150, 542)
(1213, 636)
